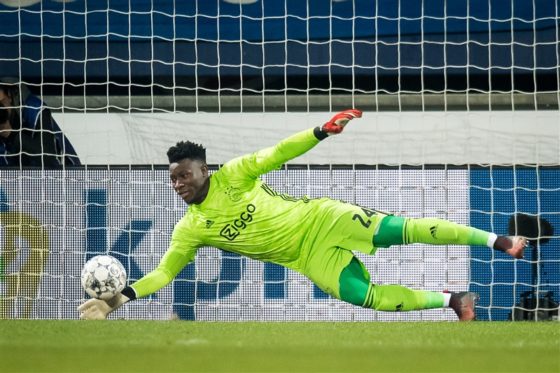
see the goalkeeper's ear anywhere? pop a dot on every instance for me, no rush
(337, 123)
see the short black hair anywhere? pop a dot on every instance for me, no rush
(186, 150)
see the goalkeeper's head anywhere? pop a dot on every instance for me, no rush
(188, 171)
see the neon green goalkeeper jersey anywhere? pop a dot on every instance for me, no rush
(241, 214)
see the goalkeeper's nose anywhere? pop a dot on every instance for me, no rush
(176, 184)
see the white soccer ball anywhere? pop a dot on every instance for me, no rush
(103, 277)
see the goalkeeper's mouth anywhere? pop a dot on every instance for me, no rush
(185, 194)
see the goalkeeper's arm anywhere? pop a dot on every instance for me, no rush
(98, 309)
(268, 159)
(170, 265)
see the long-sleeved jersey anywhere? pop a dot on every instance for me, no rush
(241, 214)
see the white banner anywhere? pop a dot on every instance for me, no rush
(414, 138)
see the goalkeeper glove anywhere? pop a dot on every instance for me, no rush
(339, 121)
(98, 309)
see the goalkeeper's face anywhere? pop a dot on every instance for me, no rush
(189, 178)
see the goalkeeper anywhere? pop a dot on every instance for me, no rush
(233, 210)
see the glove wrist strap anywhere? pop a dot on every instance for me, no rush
(320, 134)
(129, 293)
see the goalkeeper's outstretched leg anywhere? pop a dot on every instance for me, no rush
(355, 287)
(399, 298)
(396, 230)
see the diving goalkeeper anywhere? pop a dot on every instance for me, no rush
(233, 210)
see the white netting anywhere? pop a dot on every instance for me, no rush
(461, 122)
(217, 56)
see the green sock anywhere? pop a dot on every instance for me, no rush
(443, 232)
(400, 298)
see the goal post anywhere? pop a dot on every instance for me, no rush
(460, 122)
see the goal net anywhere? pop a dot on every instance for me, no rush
(460, 122)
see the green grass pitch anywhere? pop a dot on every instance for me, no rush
(180, 346)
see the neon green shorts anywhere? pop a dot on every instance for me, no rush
(346, 228)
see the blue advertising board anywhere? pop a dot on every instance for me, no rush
(497, 193)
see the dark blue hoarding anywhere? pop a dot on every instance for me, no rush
(159, 41)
